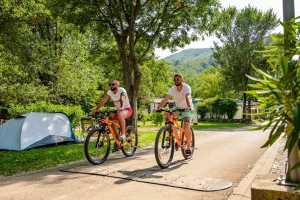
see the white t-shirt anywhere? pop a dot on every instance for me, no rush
(179, 96)
(116, 97)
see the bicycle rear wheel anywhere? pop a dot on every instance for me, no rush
(164, 147)
(129, 145)
(183, 145)
(97, 146)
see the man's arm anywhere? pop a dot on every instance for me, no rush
(122, 96)
(101, 103)
(187, 99)
(188, 102)
(163, 102)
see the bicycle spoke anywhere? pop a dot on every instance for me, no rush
(183, 147)
(97, 147)
(164, 147)
(129, 145)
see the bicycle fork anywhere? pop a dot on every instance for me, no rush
(166, 141)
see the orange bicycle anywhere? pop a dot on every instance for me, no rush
(164, 142)
(97, 143)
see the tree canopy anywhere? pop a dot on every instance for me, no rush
(242, 34)
(140, 26)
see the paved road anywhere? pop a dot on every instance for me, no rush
(226, 155)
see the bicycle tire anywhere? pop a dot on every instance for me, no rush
(164, 147)
(97, 146)
(183, 145)
(130, 143)
(91, 128)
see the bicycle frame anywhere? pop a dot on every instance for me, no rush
(165, 144)
(108, 122)
(174, 125)
(98, 141)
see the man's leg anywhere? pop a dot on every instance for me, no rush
(115, 128)
(122, 116)
(187, 131)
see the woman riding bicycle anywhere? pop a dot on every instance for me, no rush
(183, 100)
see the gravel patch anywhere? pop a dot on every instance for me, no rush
(280, 161)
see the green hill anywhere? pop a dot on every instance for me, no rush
(191, 61)
(190, 54)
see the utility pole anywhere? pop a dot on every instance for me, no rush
(294, 175)
(288, 9)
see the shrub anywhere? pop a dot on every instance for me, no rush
(75, 113)
(230, 108)
(202, 109)
(221, 107)
(158, 118)
(145, 116)
(218, 108)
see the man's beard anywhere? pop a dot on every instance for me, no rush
(113, 89)
(177, 84)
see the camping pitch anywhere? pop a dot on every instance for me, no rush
(35, 129)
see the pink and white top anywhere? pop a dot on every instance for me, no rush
(116, 97)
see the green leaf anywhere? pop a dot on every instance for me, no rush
(295, 166)
(297, 119)
(294, 138)
(267, 75)
(297, 187)
(274, 137)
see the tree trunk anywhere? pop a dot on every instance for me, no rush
(132, 81)
(249, 108)
(245, 105)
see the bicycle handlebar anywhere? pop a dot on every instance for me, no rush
(170, 111)
(97, 113)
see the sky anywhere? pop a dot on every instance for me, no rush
(262, 5)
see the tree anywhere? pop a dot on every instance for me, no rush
(41, 57)
(138, 26)
(15, 43)
(157, 81)
(242, 34)
(209, 84)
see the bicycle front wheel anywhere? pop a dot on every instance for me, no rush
(183, 145)
(97, 146)
(164, 147)
(129, 145)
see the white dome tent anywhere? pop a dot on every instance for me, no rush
(35, 129)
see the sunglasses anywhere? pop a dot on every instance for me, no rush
(176, 79)
(112, 84)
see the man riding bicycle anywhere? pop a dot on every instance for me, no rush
(120, 98)
(183, 100)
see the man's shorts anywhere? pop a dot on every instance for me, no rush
(188, 114)
(128, 110)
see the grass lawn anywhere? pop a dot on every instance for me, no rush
(13, 162)
(201, 126)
